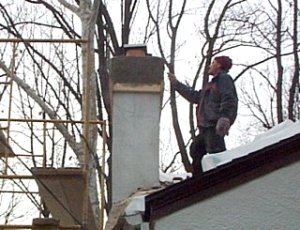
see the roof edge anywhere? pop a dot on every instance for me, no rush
(223, 178)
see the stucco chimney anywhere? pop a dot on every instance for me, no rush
(136, 91)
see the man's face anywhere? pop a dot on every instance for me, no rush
(214, 68)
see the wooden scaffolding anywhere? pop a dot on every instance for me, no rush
(64, 190)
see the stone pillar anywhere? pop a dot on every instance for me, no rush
(136, 91)
(45, 223)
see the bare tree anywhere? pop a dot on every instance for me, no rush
(53, 79)
(174, 20)
(231, 26)
(274, 33)
(218, 32)
(87, 12)
(52, 97)
(293, 103)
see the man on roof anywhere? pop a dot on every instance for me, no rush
(216, 110)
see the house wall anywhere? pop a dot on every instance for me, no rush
(269, 202)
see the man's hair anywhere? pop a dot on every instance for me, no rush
(225, 61)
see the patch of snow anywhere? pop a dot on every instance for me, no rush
(280, 132)
(173, 177)
(136, 205)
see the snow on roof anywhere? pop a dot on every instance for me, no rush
(279, 132)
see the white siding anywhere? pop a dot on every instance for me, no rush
(269, 202)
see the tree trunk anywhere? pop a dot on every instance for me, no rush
(88, 17)
(295, 80)
(279, 63)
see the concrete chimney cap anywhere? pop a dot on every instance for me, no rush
(146, 70)
(135, 46)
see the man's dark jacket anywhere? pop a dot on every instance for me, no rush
(217, 99)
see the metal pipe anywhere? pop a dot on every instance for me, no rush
(41, 40)
(70, 227)
(16, 176)
(27, 155)
(19, 192)
(51, 121)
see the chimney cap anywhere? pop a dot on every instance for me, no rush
(136, 50)
(135, 46)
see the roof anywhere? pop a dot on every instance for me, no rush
(222, 178)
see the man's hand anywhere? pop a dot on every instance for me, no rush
(223, 126)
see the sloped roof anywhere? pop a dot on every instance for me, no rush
(224, 177)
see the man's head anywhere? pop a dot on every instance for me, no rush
(220, 63)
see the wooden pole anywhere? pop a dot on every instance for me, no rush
(51, 121)
(85, 167)
(102, 189)
(41, 40)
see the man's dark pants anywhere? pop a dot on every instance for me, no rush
(206, 142)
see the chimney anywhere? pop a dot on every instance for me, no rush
(136, 92)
